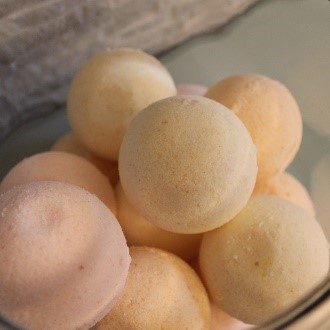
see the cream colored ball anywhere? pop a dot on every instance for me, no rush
(161, 292)
(62, 167)
(69, 143)
(140, 232)
(269, 112)
(187, 164)
(108, 91)
(264, 260)
(63, 257)
(286, 186)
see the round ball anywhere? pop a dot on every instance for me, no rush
(62, 167)
(69, 143)
(187, 164)
(108, 91)
(140, 232)
(161, 292)
(288, 187)
(269, 112)
(191, 89)
(264, 260)
(63, 256)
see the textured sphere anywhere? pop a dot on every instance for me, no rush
(288, 187)
(70, 143)
(62, 167)
(140, 232)
(63, 257)
(269, 112)
(108, 91)
(187, 164)
(264, 260)
(161, 292)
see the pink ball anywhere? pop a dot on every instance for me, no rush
(191, 89)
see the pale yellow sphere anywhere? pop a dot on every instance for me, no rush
(264, 260)
(63, 257)
(108, 91)
(140, 232)
(269, 112)
(286, 186)
(187, 164)
(161, 292)
(62, 167)
(69, 143)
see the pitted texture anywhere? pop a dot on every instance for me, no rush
(269, 112)
(63, 256)
(264, 260)
(161, 292)
(187, 164)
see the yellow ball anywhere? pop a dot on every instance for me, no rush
(108, 91)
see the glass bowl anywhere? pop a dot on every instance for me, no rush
(286, 40)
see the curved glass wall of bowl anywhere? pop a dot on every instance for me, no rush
(286, 40)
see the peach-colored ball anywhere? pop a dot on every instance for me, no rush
(269, 112)
(191, 89)
(63, 167)
(63, 257)
(108, 91)
(187, 164)
(140, 232)
(286, 186)
(69, 143)
(161, 292)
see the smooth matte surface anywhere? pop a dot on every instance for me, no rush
(286, 40)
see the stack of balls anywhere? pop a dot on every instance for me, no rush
(191, 179)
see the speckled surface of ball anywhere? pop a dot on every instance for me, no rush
(264, 260)
(161, 292)
(187, 164)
